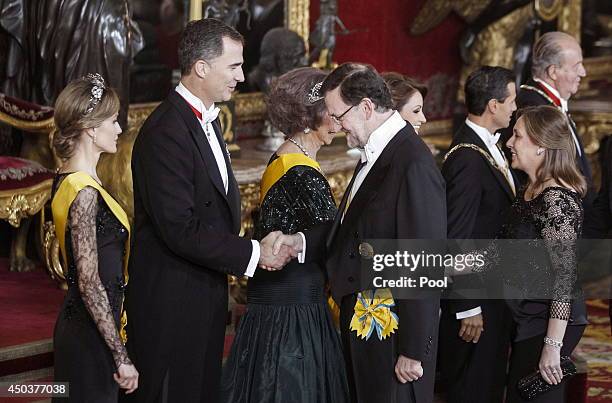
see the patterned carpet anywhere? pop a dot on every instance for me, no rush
(596, 348)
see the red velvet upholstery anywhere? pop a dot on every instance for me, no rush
(23, 110)
(17, 173)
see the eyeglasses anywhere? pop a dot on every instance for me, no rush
(338, 119)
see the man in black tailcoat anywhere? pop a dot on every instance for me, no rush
(480, 188)
(187, 220)
(397, 192)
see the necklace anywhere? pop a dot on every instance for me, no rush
(532, 193)
(298, 145)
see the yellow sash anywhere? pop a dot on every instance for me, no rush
(280, 166)
(60, 206)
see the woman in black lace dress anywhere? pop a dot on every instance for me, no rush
(93, 232)
(548, 209)
(286, 348)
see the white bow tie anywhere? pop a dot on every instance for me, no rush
(367, 153)
(209, 115)
(364, 157)
(493, 139)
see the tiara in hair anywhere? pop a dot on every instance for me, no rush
(314, 95)
(96, 91)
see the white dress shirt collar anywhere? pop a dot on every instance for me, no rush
(193, 100)
(381, 136)
(485, 135)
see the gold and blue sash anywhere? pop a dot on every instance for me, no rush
(60, 207)
(373, 312)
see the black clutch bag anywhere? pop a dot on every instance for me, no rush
(533, 385)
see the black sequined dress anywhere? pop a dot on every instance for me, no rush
(286, 348)
(86, 341)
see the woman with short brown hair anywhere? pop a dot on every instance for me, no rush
(286, 347)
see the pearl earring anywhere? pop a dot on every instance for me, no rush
(307, 130)
(540, 151)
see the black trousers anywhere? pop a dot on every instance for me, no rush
(192, 374)
(524, 360)
(476, 372)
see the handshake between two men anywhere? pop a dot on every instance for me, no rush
(277, 249)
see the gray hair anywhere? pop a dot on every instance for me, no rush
(548, 51)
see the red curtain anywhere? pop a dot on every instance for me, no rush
(383, 39)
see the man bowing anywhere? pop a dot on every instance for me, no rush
(397, 192)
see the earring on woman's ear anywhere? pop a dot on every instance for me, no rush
(92, 135)
(307, 130)
(540, 151)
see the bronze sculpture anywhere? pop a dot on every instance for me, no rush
(53, 42)
(228, 11)
(281, 50)
(324, 35)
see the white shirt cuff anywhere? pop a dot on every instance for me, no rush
(302, 255)
(469, 313)
(254, 260)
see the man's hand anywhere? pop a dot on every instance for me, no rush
(471, 328)
(407, 369)
(269, 259)
(294, 242)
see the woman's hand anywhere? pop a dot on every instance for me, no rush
(550, 364)
(127, 377)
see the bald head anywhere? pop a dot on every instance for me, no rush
(557, 60)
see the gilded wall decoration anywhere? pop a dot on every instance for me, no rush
(494, 45)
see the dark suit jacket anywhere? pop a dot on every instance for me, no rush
(185, 242)
(598, 220)
(478, 198)
(402, 197)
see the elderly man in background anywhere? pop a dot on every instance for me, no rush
(557, 70)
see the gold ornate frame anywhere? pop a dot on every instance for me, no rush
(251, 106)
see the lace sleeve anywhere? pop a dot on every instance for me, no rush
(561, 223)
(82, 221)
